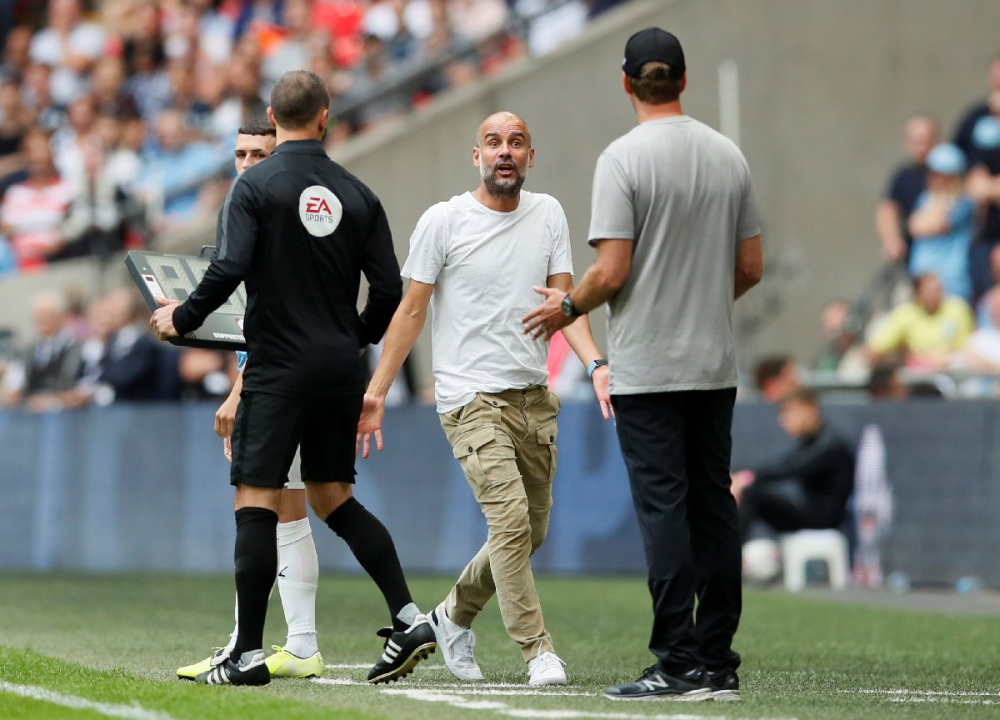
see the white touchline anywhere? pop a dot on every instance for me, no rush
(130, 712)
(943, 700)
(363, 666)
(456, 699)
(927, 693)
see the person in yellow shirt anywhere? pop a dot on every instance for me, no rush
(925, 330)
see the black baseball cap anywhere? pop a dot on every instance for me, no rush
(653, 45)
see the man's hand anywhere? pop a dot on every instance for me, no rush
(372, 414)
(601, 378)
(227, 448)
(225, 416)
(162, 321)
(548, 317)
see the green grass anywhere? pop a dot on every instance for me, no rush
(118, 639)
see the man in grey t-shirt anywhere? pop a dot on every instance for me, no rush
(678, 240)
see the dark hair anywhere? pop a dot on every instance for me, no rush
(770, 368)
(297, 98)
(804, 395)
(257, 126)
(655, 85)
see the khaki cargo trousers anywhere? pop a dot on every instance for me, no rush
(506, 444)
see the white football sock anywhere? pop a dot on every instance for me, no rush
(236, 629)
(408, 614)
(298, 576)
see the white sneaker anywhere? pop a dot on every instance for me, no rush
(455, 643)
(546, 669)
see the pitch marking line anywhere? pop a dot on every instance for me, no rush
(368, 666)
(952, 697)
(129, 712)
(456, 700)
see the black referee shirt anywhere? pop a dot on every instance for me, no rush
(300, 230)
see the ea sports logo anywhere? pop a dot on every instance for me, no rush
(319, 210)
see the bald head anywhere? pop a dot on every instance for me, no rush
(503, 154)
(502, 123)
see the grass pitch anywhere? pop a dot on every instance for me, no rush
(99, 647)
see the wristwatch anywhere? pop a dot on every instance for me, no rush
(569, 309)
(594, 365)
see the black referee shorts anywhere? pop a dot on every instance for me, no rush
(269, 428)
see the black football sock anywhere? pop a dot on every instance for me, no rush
(256, 563)
(373, 547)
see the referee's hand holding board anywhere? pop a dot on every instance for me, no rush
(162, 320)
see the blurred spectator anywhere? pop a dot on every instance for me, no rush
(920, 134)
(14, 123)
(966, 126)
(291, 52)
(807, 487)
(176, 168)
(96, 221)
(148, 81)
(942, 223)
(983, 315)
(374, 74)
(130, 361)
(776, 376)
(67, 141)
(982, 352)
(477, 19)
(841, 353)
(403, 24)
(31, 212)
(108, 88)
(17, 53)
(46, 115)
(48, 370)
(70, 46)
(244, 99)
(926, 330)
(550, 30)
(77, 321)
(204, 374)
(984, 187)
(462, 66)
(885, 383)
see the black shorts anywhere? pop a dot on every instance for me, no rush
(269, 428)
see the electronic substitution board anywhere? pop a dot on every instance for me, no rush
(159, 275)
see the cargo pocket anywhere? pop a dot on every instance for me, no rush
(466, 451)
(546, 439)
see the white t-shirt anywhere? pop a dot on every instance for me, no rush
(484, 265)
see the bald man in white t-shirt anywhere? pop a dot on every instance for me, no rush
(476, 261)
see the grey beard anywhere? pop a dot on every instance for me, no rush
(508, 188)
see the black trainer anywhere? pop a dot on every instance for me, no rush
(654, 683)
(725, 684)
(403, 650)
(250, 670)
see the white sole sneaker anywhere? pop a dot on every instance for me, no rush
(464, 673)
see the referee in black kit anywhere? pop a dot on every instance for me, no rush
(678, 240)
(300, 230)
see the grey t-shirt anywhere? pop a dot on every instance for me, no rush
(682, 192)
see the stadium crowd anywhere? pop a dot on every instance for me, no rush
(939, 229)
(117, 116)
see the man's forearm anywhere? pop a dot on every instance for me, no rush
(581, 339)
(399, 340)
(214, 289)
(595, 289)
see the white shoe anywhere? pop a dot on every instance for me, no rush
(455, 643)
(546, 669)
